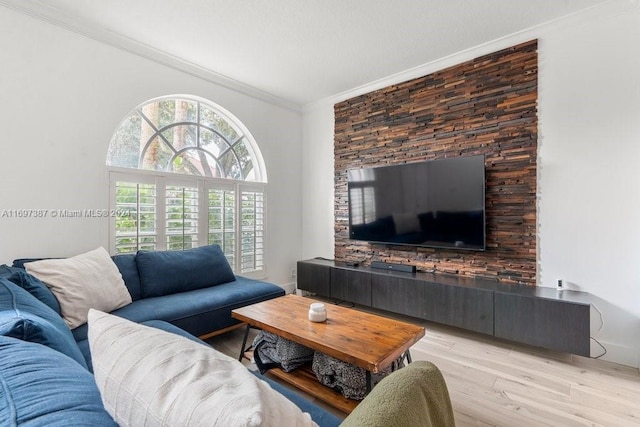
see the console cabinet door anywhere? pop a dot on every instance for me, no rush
(398, 294)
(314, 278)
(350, 285)
(467, 308)
(556, 325)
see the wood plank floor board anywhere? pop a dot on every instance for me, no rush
(494, 382)
(628, 409)
(500, 367)
(476, 384)
(587, 391)
(571, 409)
(604, 378)
(624, 376)
(478, 410)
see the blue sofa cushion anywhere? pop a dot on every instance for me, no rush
(31, 284)
(128, 267)
(20, 262)
(170, 272)
(23, 317)
(168, 327)
(199, 311)
(41, 387)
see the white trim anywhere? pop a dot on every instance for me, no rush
(112, 219)
(289, 288)
(51, 14)
(582, 17)
(151, 174)
(39, 9)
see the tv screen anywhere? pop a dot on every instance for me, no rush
(435, 203)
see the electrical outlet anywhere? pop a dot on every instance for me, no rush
(294, 273)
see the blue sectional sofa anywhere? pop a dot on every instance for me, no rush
(46, 371)
(194, 290)
(45, 368)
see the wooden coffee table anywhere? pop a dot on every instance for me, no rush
(363, 339)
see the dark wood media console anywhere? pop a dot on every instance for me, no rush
(543, 317)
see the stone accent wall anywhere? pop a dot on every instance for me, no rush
(484, 106)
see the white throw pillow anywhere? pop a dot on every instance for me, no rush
(149, 377)
(89, 280)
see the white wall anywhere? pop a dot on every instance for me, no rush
(63, 96)
(588, 171)
(317, 181)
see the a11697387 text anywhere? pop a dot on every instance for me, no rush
(64, 213)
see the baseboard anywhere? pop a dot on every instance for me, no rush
(627, 356)
(289, 288)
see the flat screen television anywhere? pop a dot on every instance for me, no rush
(435, 203)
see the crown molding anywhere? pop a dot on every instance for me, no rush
(583, 17)
(42, 11)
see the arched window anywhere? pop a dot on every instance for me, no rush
(185, 173)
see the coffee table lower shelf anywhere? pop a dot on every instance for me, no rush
(304, 379)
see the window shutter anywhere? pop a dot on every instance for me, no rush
(177, 214)
(252, 212)
(137, 228)
(181, 220)
(222, 221)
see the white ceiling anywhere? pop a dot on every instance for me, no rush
(301, 50)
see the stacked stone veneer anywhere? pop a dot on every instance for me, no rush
(484, 106)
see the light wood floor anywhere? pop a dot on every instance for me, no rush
(496, 383)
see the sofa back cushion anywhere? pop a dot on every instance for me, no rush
(23, 317)
(88, 280)
(41, 387)
(170, 272)
(21, 262)
(128, 267)
(31, 284)
(126, 263)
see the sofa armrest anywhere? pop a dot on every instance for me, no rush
(416, 395)
(168, 327)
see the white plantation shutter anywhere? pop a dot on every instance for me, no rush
(181, 217)
(135, 222)
(252, 230)
(222, 221)
(165, 213)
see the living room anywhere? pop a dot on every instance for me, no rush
(67, 89)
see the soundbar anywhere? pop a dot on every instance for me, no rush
(393, 267)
